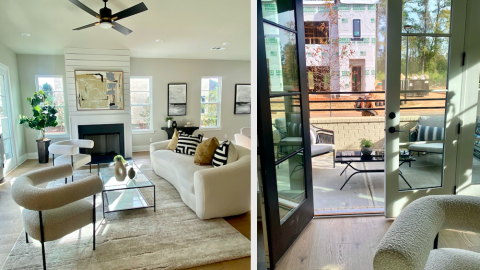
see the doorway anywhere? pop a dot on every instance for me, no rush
(8, 157)
(357, 79)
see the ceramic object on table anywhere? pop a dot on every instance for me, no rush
(367, 151)
(131, 173)
(120, 171)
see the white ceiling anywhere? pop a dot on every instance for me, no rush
(188, 28)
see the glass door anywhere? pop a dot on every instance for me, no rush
(468, 165)
(6, 141)
(425, 46)
(285, 171)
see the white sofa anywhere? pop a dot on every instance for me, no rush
(210, 192)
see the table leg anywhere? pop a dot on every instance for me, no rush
(348, 164)
(348, 179)
(154, 201)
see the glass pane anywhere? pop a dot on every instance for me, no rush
(281, 50)
(280, 12)
(54, 98)
(7, 144)
(421, 166)
(139, 84)
(140, 111)
(48, 84)
(427, 63)
(60, 128)
(139, 98)
(426, 16)
(476, 148)
(209, 115)
(4, 129)
(286, 125)
(290, 184)
(3, 103)
(140, 123)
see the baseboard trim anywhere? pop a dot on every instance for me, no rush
(141, 148)
(22, 159)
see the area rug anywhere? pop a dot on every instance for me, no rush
(173, 237)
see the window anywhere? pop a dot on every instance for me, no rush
(141, 104)
(357, 32)
(317, 32)
(318, 78)
(211, 91)
(53, 87)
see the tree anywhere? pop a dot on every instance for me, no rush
(43, 115)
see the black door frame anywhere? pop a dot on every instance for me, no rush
(281, 236)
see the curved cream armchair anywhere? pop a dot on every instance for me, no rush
(51, 213)
(210, 192)
(69, 153)
(408, 243)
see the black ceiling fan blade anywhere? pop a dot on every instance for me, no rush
(85, 8)
(130, 11)
(122, 29)
(86, 26)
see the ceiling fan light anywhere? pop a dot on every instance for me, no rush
(106, 25)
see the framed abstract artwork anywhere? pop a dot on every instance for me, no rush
(177, 99)
(242, 99)
(99, 90)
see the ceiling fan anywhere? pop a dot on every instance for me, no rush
(107, 20)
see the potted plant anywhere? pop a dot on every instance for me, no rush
(169, 121)
(366, 147)
(44, 115)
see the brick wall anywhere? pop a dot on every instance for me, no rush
(349, 130)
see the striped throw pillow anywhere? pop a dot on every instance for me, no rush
(426, 133)
(187, 144)
(220, 157)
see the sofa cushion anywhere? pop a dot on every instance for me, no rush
(225, 153)
(187, 144)
(172, 145)
(428, 147)
(205, 151)
(428, 133)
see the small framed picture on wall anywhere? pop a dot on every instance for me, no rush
(177, 99)
(242, 99)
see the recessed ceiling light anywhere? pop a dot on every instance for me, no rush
(226, 43)
(159, 40)
(217, 49)
(25, 34)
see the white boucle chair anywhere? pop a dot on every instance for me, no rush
(69, 151)
(408, 243)
(51, 213)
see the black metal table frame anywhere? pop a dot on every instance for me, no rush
(372, 171)
(105, 197)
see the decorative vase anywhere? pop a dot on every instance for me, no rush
(43, 154)
(169, 123)
(366, 151)
(120, 171)
(174, 124)
(131, 173)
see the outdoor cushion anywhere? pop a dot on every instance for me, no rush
(428, 133)
(428, 147)
(321, 148)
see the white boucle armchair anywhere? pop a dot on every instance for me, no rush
(69, 153)
(51, 213)
(408, 243)
(210, 192)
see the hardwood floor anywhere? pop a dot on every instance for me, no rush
(11, 218)
(349, 244)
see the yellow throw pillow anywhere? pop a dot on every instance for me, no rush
(205, 151)
(173, 143)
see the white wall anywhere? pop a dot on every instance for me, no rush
(9, 58)
(28, 67)
(165, 71)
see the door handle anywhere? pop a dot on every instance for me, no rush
(393, 130)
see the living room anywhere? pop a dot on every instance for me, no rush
(163, 82)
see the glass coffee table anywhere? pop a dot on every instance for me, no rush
(349, 157)
(124, 195)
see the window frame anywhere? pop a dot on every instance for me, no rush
(64, 106)
(219, 104)
(142, 131)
